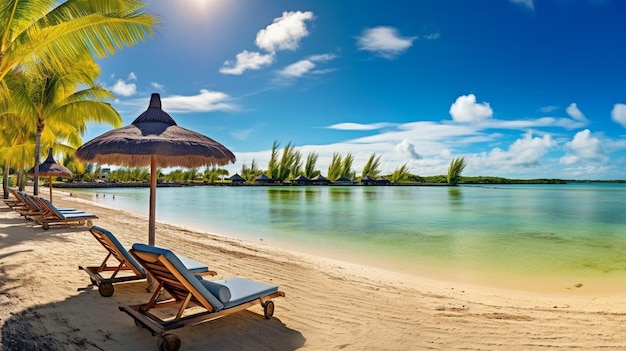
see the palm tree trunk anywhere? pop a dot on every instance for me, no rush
(40, 125)
(5, 180)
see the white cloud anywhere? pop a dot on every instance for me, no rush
(573, 111)
(524, 152)
(384, 41)
(241, 134)
(432, 36)
(618, 114)
(247, 60)
(157, 86)
(406, 147)
(583, 147)
(205, 101)
(297, 69)
(322, 57)
(285, 32)
(123, 88)
(465, 109)
(359, 126)
(132, 76)
(548, 109)
(302, 67)
(526, 3)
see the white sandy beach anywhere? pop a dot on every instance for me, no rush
(46, 303)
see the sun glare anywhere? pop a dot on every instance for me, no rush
(205, 6)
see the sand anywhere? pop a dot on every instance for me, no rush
(47, 303)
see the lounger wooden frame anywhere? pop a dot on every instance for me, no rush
(52, 216)
(183, 294)
(105, 284)
(17, 202)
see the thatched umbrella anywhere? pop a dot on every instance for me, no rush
(154, 139)
(50, 168)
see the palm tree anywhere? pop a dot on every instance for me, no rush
(290, 164)
(16, 142)
(455, 169)
(401, 174)
(309, 166)
(73, 164)
(53, 34)
(372, 167)
(335, 168)
(346, 167)
(63, 102)
(272, 167)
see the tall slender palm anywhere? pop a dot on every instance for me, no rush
(53, 33)
(335, 167)
(309, 166)
(17, 140)
(457, 165)
(372, 167)
(61, 104)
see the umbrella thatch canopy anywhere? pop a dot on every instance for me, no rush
(50, 168)
(154, 139)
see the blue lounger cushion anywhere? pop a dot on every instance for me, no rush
(220, 291)
(193, 266)
(69, 215)
(187, 274)
(129, 259)
(244, 290)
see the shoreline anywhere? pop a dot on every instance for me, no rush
(583, 283)
(330, 304)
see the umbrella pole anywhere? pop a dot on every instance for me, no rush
(50, 183)
(152, 220)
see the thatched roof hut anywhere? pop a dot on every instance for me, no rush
(320, 180)
(237, 179)
(263, 179)
(301, 180)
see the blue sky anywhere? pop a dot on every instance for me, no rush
(520, 88)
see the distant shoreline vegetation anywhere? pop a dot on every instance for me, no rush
(424, 181)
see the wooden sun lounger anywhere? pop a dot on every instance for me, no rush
(215, 299)
(20, 202)
(53, 216)
(126, 269)
(34, 209)
(17, 200)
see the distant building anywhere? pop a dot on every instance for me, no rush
(344, 181)
(382, 180)
(104, 174)
(237, 179)
(263, 179)
(367, 180)
(320, 180)
(301, 180)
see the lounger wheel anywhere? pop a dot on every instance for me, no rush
(106, 289)
(45, 226)
(89, 223)
(268, 309)
(169, 342)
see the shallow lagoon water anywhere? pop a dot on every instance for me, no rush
(540, 234)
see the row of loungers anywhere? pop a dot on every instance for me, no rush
(43, 212)
(183, 279)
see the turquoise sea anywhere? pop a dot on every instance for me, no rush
(546, 237)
